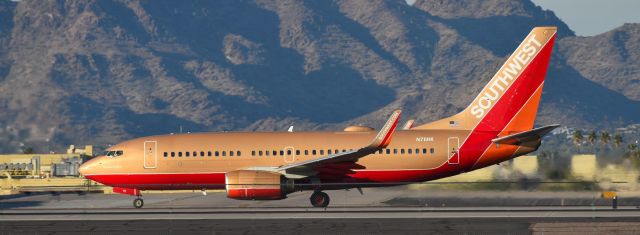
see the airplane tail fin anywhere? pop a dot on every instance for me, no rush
(509, 102)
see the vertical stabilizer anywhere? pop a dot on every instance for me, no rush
(509, 102)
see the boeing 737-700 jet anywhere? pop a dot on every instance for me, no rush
(495, 127)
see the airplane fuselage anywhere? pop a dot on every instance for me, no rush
(200, 160)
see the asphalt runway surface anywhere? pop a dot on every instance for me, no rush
(473, 220)
(379, 211)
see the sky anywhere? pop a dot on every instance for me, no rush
(591, 17)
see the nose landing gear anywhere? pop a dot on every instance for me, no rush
(138, 202)
(319, 199)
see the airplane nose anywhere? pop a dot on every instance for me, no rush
(88, 167)
(83, 169)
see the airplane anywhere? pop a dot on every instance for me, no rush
(497, 126)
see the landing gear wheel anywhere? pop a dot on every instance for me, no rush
(138, 203)
(319, 199)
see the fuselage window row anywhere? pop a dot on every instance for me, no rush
(202, 154)
(288, 152)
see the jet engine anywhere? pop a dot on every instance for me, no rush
(257, 185)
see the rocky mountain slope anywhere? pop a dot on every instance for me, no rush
(98, 72)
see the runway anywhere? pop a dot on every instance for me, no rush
(469, 220)
(378, 211)
(320, 213)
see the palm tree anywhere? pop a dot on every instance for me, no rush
(605, 137)
(28, 150)
(632, 147)
(577, 137)
(592, 137)
(617, 140)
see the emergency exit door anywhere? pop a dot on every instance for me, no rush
(454, 150)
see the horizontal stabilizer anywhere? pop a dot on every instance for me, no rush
(525, 136)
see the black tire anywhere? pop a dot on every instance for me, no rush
(138, 203)
(319, 199)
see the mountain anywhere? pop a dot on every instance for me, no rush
(99, 72)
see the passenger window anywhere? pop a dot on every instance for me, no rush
(224, 153)
(266, 153)
(417, 151)
(401, 151)
(238, 153)
(388, 151)
(217, 153)
(344, 150)
(173, 154)
(186, 154)
(230, 153)
(253, 153)
(195, 154)
(208, 153)
(297, 152)
(166, 154)
(179, 154)
(321, 151)
(433, 150)
(409, 151)
(306, 152)
(329, 151)
(336, 151)
(288, 152)
(201, 153)
(313, 152)
(275, 153)
(281, 152)
(260, 153)
(395, 151)
(424, 151)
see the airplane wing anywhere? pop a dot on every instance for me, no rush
(408, 125)
(343, 162)
(525, 136)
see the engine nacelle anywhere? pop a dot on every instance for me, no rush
(257, 185)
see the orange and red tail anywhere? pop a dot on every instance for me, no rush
(509, 102)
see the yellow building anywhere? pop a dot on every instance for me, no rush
(584, 166)
(527, 165)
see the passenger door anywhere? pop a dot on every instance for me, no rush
(150, 154)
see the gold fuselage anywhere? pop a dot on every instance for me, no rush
(414, 155)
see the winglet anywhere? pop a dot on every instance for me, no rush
(384, 136)
(408, 125)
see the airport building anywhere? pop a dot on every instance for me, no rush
(23, 173)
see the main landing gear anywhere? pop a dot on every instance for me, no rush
(319, 199)
(138, 202)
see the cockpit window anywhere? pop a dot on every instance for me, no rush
(115, 153)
